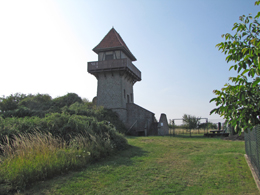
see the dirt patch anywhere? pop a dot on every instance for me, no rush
(236, 137)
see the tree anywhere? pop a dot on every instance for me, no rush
(11, 102)
(190, 122)
(21, 105)
(208, 125)
(36, 102)
(239, 103)
(66, 100)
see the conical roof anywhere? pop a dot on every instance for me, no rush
(113, 41)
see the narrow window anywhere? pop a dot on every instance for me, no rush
(131, 96)
(127, 98)
(109, 57)
(124, 93)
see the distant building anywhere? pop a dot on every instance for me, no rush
(116, 75)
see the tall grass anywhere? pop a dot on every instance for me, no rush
(38, 156)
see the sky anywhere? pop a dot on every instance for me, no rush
(45, 46)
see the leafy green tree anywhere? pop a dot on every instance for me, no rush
(239, 103)
(11, 102)
(190, 122)
(21, 105)
(36, 102)
(66, 100)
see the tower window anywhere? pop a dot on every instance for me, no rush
(109, 57)
(124, 93)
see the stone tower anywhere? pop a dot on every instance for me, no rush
(116, 77)
(115, 73)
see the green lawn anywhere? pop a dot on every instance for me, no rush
(162, 165)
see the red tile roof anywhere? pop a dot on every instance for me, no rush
(113, 41)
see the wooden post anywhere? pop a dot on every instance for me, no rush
(219, 126)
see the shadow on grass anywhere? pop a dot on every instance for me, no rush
(123, 157)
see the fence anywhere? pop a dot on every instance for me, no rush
(252, 146)
(200, 127)
(203, 128)
(187, 132)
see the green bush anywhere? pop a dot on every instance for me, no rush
(41, 105)
(100, 113)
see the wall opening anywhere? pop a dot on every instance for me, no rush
(109, 57)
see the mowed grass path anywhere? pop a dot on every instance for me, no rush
(162, 165)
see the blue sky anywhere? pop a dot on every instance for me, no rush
(45, 47)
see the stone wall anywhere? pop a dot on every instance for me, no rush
(109, 90)
(122, 114)
(113, 89)
(140, 120)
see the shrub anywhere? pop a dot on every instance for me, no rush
(100, 113)
(61, 125)
(38, 156)
(41, 137)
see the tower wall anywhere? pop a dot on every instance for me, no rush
(113, 92)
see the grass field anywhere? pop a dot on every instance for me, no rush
(162, 165)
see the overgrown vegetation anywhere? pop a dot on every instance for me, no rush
(41, 137)
(21, 105)
(62, 116)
